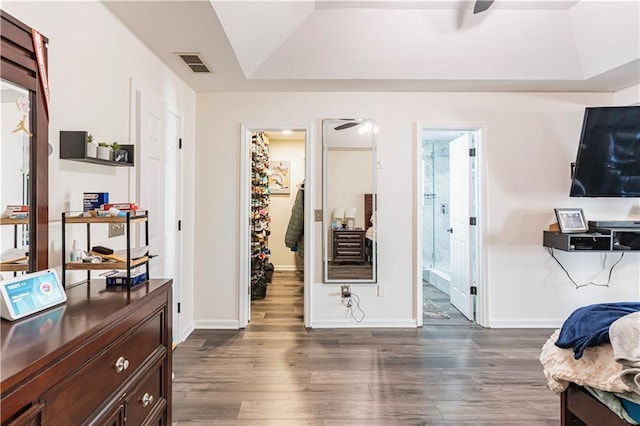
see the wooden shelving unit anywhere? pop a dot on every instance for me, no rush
(71, 218)
(15, 266)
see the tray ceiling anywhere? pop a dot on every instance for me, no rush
(394, 45)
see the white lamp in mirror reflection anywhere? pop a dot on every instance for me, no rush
(338, 217)
(350, 214)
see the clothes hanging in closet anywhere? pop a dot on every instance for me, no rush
(294, 237)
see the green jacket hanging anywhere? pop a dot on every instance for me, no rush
(294, 237)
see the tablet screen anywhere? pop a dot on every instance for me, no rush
(30, 293)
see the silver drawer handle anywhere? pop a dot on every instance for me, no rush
(147, 399)
(122, 364)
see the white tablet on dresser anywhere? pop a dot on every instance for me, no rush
(30, 293)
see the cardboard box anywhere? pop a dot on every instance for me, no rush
(94, 200)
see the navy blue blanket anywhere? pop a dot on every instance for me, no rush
(589, 325)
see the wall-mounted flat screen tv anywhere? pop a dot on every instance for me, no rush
(608, 160)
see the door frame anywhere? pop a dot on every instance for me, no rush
(244, 196)
(482, 297)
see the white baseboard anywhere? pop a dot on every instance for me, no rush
(186, 331)
(409, 323)
(218, 324)
(540, 323)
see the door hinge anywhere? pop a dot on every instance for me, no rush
(178, 307)
(180, 143)
(473, 221)
(472, 152)
(473, 290)
(179, 225)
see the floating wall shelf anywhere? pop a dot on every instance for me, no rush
(73, 146)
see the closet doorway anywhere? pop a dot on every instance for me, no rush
(273, 263)
(449, 217)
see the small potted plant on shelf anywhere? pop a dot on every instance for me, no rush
(104, 151)
(120, 155)
(92, 146)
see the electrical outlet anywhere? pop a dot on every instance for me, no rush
(382, 290)
(345, 290)
(116, 229)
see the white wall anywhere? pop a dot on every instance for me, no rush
(531, 138)
(94, 61)
(628, 96)
(281, 204)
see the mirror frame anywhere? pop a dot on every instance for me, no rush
(19, 66)
(326, 213)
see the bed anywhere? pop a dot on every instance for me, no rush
(578, 407)
(593, 363)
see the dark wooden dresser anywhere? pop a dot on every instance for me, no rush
(104, 357)
(348, 246)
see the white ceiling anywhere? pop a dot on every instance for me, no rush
(386, 45)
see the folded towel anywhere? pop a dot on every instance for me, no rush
(589, 326)
(625, 341)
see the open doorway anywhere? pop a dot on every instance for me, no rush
(274, 268)
(449, 206)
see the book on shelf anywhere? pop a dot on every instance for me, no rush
(16, 211)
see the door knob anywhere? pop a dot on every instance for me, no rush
(450, 230)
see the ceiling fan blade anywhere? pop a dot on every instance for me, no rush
(481, 6)
(346, 125)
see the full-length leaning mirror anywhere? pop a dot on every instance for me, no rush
(349, 200)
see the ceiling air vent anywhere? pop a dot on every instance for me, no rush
(195, 62)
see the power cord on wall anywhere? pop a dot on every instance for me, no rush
(352, 302)
(604, 267)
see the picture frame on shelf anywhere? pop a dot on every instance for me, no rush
(571, 220)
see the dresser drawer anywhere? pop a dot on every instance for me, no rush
(75, 398)
(343, 237)
(348, 246)
(148, 398)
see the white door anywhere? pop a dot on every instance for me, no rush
(152, 178)
(459, 214)
(158, 183)
(172, 208)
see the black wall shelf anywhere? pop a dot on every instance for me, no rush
(73, 146)
(600, 240)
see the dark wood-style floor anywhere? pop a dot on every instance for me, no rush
(276, 372)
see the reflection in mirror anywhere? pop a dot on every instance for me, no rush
(14, 169)
(349, 182)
